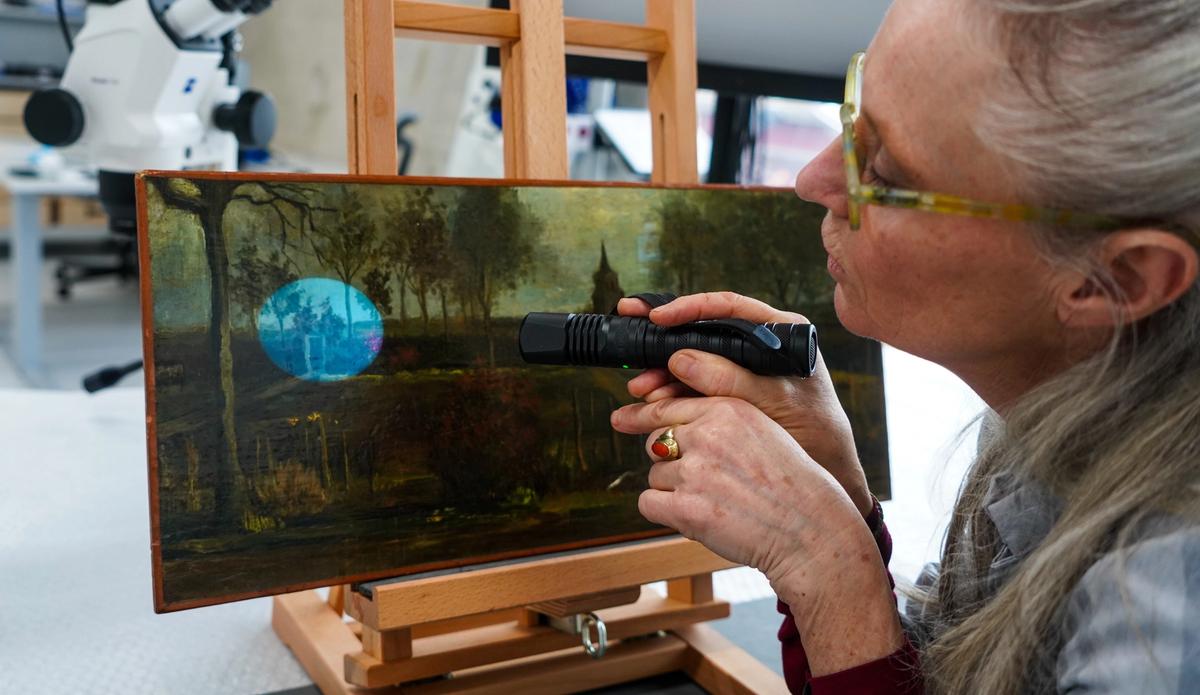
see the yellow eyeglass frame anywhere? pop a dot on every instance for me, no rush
(860, 193)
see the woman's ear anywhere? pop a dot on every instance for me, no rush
(1147, 269)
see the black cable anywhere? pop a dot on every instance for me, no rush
(62, 23)
(109, 376)
(404, 143)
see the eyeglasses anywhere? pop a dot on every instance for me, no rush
(860, 193)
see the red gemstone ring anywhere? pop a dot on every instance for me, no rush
(665, 447)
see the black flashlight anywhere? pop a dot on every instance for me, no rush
(602, 340)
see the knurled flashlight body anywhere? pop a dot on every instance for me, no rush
(601, 340)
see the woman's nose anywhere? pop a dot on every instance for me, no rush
(823, 181)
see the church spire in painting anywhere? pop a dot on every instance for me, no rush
(606, 286)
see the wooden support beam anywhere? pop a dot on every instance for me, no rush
(695, 589)
(415, 601)
(468, 622)
(565, 672)
(533, 82)
(592, 37)
(441, 654)
(512, 112)
(529, 618)
(564, 608)
(337, 598)
(488, 27)
(318, 637)
(455, 23)
(672, 92)
(392, 645)
(371, 87)
(719, 666)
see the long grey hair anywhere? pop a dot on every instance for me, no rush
(1100, 111)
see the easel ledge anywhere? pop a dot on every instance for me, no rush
(500, 629)
(525, 583)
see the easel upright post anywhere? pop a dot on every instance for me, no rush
(370, 86)
(671, 83)
(534, 93)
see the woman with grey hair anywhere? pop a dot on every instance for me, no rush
(1016, 197)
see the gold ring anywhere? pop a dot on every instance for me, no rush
(665, 447)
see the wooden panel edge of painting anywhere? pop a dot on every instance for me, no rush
(147, 308)
(443, 181)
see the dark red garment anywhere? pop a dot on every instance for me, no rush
(896, 674)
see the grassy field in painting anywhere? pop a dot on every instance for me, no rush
(408, 468)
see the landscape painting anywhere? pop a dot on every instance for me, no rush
(334, 387)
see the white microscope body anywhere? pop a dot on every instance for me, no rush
(147, 87)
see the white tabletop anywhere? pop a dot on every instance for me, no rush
(69, 182)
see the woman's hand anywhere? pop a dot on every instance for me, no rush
(744, 488)
(808, 409)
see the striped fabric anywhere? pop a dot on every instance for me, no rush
(1136, 628)
(1132, 624)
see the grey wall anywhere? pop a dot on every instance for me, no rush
(296, 53)
(815, 37)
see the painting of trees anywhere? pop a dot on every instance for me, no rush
(263, 282)
(311, 421)
(768, 243)
(414, 247)
(493, 240)
(207, 204)
(428, 250)
(689, 251)
(293, 206)
(346, 242)
(791, 239)
(759, 245)
(377, 284)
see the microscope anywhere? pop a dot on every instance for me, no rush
(150, 84)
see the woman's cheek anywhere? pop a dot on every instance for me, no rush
(850, 320)
(862, 299)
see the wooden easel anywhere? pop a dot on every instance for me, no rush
(508, 628)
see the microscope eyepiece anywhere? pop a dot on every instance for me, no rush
(54, 117)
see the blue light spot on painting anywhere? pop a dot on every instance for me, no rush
(320, 329)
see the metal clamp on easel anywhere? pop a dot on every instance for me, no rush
(582, 624)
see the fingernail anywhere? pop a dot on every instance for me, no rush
(683, 365)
